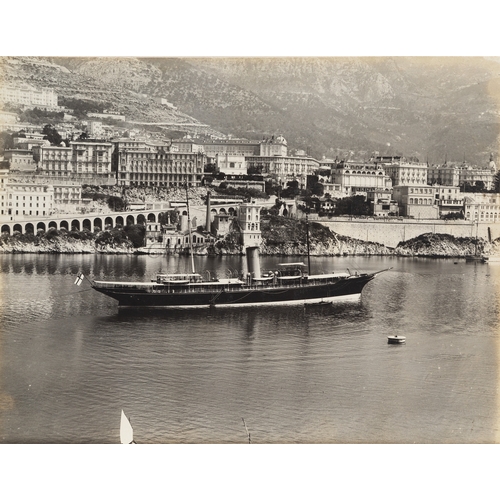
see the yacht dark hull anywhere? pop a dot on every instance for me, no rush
(154, 295)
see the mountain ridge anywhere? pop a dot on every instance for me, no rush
(427, 107)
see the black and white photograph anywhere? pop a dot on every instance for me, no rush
(272, 247)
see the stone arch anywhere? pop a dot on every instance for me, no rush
(108, 221)
(41, 225)
(18, 228)
(223, 211)
(213, 211)
(184, 212)
(231, 211)
(130, 220)
(64, 224)
(141, 219)
(119, 220)
(6, 229)
(75, 225)
(86, 224)
(53, 224)
(29, 228)
(151, 218)
(98, 224)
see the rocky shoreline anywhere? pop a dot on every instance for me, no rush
(426, 245)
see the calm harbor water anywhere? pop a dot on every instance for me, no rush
(70, 361)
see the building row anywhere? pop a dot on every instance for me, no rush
(391, 183)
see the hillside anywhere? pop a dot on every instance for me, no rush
(428, 108)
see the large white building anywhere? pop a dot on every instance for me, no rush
(22, 198)
(482, 207)
(355, 177)
(29, 96)
(401, 172)
(20, 159)
(82, 159)
(444, 175)
(231, 164)
(158, 167)
(417, 201)
(54, 160)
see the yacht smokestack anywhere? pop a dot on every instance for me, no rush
(253, 262)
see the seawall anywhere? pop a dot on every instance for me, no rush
(390, 233)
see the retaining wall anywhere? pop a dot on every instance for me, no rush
(393, 232)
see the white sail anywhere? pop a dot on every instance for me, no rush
(126, 431)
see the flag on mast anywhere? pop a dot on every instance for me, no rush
(79, 279)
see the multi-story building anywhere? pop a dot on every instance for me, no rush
(20, 159)
(159, 167)
(381, 203)
(22, 198)
(230, 146)
(401, 172)
(95, 129)
(274, 147)
(54, 160)
(356, 177)
(92, 158)
(417, 201)
(136, 144)
(443, 175)
(284, 169)
(231, 164)
(186, 145)
(28, 143)
(67, 195)
(469, 175)
(449, 199)
(29, 96)
(82, 159)
(482, 207)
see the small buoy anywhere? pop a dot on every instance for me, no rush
(394, 339)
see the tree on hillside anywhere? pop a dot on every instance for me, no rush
(117, 204)
(170, 217)
(136, 233)
(497, 182)
(354, 205)
(6, 141)
(292, 189)
(51, 135)
(318, 189)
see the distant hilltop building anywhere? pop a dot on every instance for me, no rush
(164, 102)
(29, 96)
